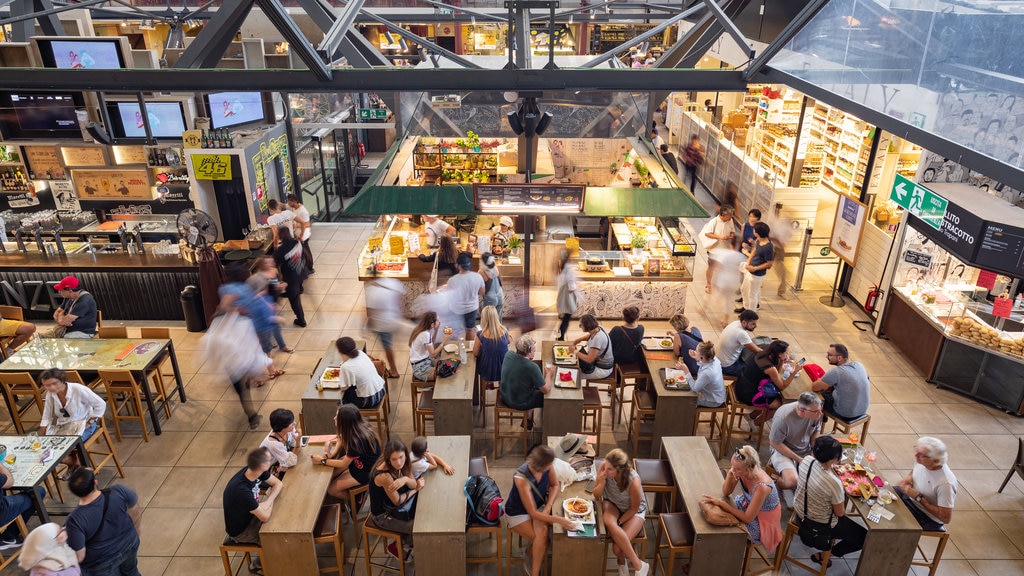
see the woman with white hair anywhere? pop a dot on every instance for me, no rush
(929, 491)
(523, 385)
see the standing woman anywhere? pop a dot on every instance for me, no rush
(767, 364)
(352, 452)
(568, 298)
(491, 346)
(266, 285)
(624, 508)
(494, 295)
(528, 509)
(391, 495)
(422, 351)
(69, 409)
(758, 506)
(288, 257)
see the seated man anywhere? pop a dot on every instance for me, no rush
(736, 337)
(795, 427)
(846, 388)
(244, 514)
(77, 313)
(18, 331)
(12, 505)
(929, 491)
(523, 386)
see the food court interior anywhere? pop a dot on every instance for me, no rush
(780, 112)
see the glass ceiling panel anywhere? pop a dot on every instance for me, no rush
(952, 68)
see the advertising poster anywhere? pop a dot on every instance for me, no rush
(112, 184)
(847, 229)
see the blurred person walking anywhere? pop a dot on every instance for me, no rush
(383, 299)
(288, 257)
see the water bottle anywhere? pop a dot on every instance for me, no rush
(462, 352)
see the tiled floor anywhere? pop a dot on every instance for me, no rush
(180, 475)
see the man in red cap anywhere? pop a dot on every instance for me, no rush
(77, 313)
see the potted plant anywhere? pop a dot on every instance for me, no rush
(639, 242)
(460, 143)
(473, 140)
(514, 244)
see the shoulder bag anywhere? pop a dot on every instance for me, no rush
(715, 515)
(59, 331)
(403, 511)
(432, 284)
(814, 534)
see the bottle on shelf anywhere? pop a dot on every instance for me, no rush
(203, 142)
(209, 139)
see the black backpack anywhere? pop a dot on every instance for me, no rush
(484, 504)
(447, 368)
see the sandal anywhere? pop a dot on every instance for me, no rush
(287, 349)
(276, 373)
(816, 558)
(707, 289)
(257, 384)
(393, 374)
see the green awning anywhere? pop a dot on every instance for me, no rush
(675, 202)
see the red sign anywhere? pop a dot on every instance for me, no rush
(1002, 307)
(987, 279)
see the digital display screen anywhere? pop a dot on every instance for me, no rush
(234, 108)
(166, 119)
(72, 54)
(26, 115)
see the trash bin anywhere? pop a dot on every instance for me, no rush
(192, 306)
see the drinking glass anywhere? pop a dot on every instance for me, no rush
(34, 442)
(858, 455)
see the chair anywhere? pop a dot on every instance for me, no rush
(481, 392)
(1018, 465)
(635, 372)
(847, 427)
(379, 534)
(76, 376)
(717, 421)
(101, 457)
(592, 409)
(510, 415)
(379, 415)
(643, 412)
(123, 393)
(422, 405)
(782, 553)
(677, 531)
(940, 545)
(737, 412)
(12, 313)
(354, 509)
(656, 478)
(99, 318)
(758, 549)
(112, 332)
(478, 466)
(19, 385)
(4, 562)
(328, 528)
(609, 384)
(639, 543)
(247, 551)
(155, 373)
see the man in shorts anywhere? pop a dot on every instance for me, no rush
(17, 331)
(794, 428)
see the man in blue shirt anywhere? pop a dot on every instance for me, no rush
(101, 530)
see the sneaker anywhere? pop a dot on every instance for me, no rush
(255, 421)
(738, 300)
(16, 542)
(738, 310)
(645, 568)
(299, 324)
(623, 570)
(392, 549)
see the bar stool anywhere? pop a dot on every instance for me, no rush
(678, 532)
(112, 332)
(354, 509)
(481, 392)
(782, 554)
(638, 542)
(762, 554)
(478, 467)
(511, 415)
(737, 411)
(76, 376)
(101, 457)
(20, 385)
(643, 412)
(846, 427)
(940, 545)
(247, 551)
(717, 421)
(4, 562)
(156, 373)
(592, 409)
(635, 372)
(656, 478)
(422, 405)
(381, 535)
(123, 393)
(610, 383)
(328, 529)
(379, 415)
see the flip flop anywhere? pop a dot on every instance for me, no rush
(393, 374)
(276, 374)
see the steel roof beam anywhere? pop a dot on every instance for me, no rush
(297, 41)
(421, 41)
(649, 34)
(795, 25)
(213, 40)
(339, 29)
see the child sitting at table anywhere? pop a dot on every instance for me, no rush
(422, 460)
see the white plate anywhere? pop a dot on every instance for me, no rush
(451, 348)
(657, 343)
(574, 383)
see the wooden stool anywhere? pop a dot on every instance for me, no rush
(643, 412)
(95, 384)
(354, 509)
(932, 564)
(846, 427)
(379, 415)
(328, 529)
(592, 409)
(370, 529)
(4, 562)
(422, 405)
(247, 551)
(610, 383)
(478, 466)
(737, 411)
(638, 374)
(123, 393)
(679, 535)
(101, 457)
(782, 554)
(511, 415)
(156, 373)
(656, 478)
(762, 554)
(20, 385)
(481, 391)
(112, 332)
(639, 543)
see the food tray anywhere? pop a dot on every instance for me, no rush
(681, 383)
(563, 354)
(854, 476)
(331, 378)
(451, 348)
(573, 382)
(656, 343)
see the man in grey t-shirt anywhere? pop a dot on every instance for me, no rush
(846, 388)
(794, 428)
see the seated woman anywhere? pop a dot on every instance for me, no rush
(392, 494)
(709, 384)
(523, 386)
(766, 365)
(422, 351)
(491, 346)
(283, 441)
(825, 497)
(625, 508)
(684, 339)
(69, 409)
(758, 506)
(366, 386)
(351, 453)
(599, 360)
(528, 508)
(626, 338)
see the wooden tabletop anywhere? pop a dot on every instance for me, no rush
(296, 509)
(441, 506)
(28, 470)
(696, 473)
(655, 363)
(91, 354)
(331, 357)
(547, 356)
(459, 386)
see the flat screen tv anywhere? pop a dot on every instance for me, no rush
(40, 115)
(234, 108)
(77, 53)
(166, 119)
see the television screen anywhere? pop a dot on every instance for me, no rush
(26, 115)
(166, 119)
(71, 54)
(234, 108)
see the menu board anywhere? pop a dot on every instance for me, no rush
(112, 184)
(917, 258)
(83, 156)
(1002, 249)
(847, 229)
(43, 162)
(959, 233)
(129, 154)
(534, 198)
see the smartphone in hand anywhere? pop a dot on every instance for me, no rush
(303, 441)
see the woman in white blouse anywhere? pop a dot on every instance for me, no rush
(366, 386)
(69, 409)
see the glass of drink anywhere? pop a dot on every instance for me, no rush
(33, 438)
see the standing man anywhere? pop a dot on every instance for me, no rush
(717, 234)
(305, 230)
(101, 530)
(670, 159)
(758, 263)
(693, 157)
(656, 139)
(436, 228)
(244, 514)
(383, 299)
(278, 217)
(795, 427)
(12, 505)
(929, 491)
(77, 313)
(464, 291)
(736, 337)
(846, 388)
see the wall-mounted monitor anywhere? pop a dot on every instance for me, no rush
(40, 115)
(166, 119)
(234, 108)
(81, 53)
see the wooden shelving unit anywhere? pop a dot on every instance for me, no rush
(846, 148)
(432, 166)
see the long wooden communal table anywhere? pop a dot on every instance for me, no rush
(320, 406)
(675, 410)
(576, 556)
(439, 530)
(717, 550)
(563, 407)
(890, 544)
(287, 538)
(453, 397)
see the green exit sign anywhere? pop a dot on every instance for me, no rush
(373, 113)
(919, 201)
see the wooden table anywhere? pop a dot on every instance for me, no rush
(453, 397)
(439, 529)
(563, 407)
(576, 556)
(717, 550)
(320, 406)
(27, 469)
(287, 538)
(90, 355)
(890, 545)
(675, 410)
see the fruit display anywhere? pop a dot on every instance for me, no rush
(974, 331)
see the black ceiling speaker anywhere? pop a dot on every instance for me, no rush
(545, 119)
(98, 133)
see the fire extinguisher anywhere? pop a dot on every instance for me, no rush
(362, 150)
(871, 302)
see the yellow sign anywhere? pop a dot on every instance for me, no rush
(192, 138)
(374, 243)
(211, 166)
(397, 245)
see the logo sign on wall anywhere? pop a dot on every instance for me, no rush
(211, 166)
(112, 184)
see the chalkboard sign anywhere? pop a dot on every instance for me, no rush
(534, 198)
(1002, 249)
(917, 258)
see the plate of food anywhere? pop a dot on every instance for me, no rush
(451, 348)
(579, 509)
(331, 378)
(857, 481)
(566, 378)
(664, 343)
(564, 355)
